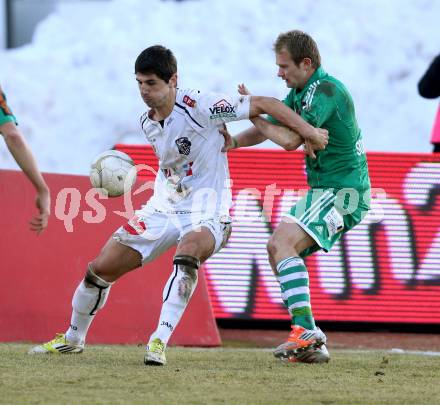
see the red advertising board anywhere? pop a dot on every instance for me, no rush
(387, 269)
(40, 273)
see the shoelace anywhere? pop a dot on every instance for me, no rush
(157, 347)
(58, 337)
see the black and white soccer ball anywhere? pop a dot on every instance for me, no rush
(114, 172)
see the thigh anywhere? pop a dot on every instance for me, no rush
(149, 233)
(290, 239)
(115, 260)
(319, 217)
(204, 236)
(199, 243)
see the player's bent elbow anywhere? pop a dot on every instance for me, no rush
(272, 247)
(290, 146)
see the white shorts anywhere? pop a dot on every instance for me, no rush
(152, 232)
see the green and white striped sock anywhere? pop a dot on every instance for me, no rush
(294, 281)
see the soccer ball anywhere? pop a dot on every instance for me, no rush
(114, 172)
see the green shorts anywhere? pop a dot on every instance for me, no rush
(5, 112)
(326, 214)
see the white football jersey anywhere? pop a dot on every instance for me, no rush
(193, 173)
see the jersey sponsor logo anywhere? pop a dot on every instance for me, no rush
(189, 101)
(222, 109)
(183, 145)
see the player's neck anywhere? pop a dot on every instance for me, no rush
(306, 79)
(162, 112)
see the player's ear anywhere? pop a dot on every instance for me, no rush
(307, 63)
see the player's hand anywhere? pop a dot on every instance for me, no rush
(317, 140)
(39, 221)
(230, 142)
(243, 90)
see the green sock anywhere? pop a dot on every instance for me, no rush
(294, 281)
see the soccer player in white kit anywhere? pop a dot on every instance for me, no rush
(191, 200)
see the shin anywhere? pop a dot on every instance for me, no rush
(177, 293)
(90, 296)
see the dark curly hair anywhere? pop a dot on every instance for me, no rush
(158, 60)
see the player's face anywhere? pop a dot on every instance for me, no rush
(155, 92)
(294, 76)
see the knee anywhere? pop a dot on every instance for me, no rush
(101, 271)
(95, 266)
(187, 248)
(189, 265)
(91, 279)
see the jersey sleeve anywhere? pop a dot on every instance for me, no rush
(5, 112)
(319, 103)
(212, 109)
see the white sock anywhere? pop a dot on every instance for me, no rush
(90, 296)
(176, 295)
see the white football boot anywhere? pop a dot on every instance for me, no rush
(58, 345)
(155, 354)
(315, 355)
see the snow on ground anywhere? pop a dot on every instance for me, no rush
(74, 94)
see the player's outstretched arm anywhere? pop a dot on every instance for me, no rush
(317, 138)
(282, 136)
(25, 159)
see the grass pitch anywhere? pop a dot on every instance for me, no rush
(117, 375)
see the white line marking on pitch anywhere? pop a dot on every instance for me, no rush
(251, 349)
(392, 351)
(419, 352)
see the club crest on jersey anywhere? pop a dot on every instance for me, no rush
(183, 145)
(189, 101)
(222, 109)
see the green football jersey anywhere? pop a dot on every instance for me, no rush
(5, 112)
(324, 102)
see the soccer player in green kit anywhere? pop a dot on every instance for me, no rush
(339, 192)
